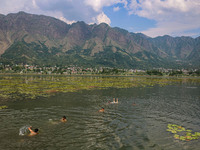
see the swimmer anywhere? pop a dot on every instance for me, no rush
(63, 119)
(134, 104)
(33, 132)
(101, 110)
(115, 101)
(112, 101)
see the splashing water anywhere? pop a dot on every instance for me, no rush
(24, 130)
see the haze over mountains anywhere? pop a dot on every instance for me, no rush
(42, 40)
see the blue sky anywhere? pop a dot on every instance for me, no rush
(151, 17)
(132, 23)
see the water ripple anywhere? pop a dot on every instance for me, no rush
(121, 126)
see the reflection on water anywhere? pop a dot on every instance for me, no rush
(121, 126)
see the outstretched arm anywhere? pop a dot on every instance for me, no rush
(31, 129)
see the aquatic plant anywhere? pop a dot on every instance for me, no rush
(3, 107)
(181, 133)
(31, 87)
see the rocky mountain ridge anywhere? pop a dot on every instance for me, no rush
(42, 40)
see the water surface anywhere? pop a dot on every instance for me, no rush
(121, 126)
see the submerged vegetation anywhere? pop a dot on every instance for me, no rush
(31, 87)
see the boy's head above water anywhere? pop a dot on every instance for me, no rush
(36, 130)
(63, 119)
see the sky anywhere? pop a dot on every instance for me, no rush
(150, 17)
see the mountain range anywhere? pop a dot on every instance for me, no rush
(43, 40)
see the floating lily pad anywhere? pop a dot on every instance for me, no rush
(176, 136)
(189, 130)
(183, 138)
(3, 107)
(182, 133)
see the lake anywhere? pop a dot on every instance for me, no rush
(138, 121)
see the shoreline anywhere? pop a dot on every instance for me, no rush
(98, 75)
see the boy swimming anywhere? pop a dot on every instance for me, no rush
(101, 110)
(115, 101)
(63, 119)
(33, 132)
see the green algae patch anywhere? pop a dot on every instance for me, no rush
(31, 87)
(182, 134)
(3, 107)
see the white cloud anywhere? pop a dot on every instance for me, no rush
(11, 6)
(97, 5)
(68, 11)
(172, 16)
(67, 21)
(34, 4)
(116, 9)
(173, 29)
(102, 18)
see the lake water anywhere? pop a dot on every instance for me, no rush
(122, 126)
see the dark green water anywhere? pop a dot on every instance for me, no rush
(122, 126)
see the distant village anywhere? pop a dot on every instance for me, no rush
(75, 70)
